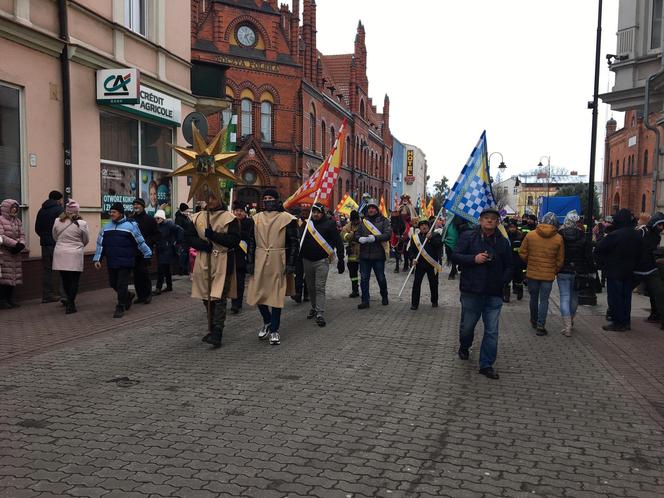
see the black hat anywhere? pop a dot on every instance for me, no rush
(271, 192)
(54, 195)
(354, 215)
(238, 205)
(423, 221)
(183, 206)
(489, 210)
(117, 206)
(513, 222)
(140, 201)
(318, 207)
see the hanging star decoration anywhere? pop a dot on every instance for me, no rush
(206, 163)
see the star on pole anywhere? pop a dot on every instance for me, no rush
(206, 163)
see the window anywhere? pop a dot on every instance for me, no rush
(645, 163)
(312, 132)
(323, 139)
(643, 203)
(340, 186)
(333, 137)
(266, 122)
(530, 200)
(346, 151)
(135, 16)
(656, 25)
(623, 166)
(10, 143)
(515, 190)
(135, 162)
(348, 187)
(246, 118)
(362, 108)
(611, 168)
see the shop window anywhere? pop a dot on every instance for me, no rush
(136, 16)
(135, 162)
(246, 117)
(266, 122)
(10, 143)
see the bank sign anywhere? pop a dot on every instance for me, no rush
(118, 86)
(156, 106)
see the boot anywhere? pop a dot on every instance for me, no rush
(506, 294)
(567, 331)
(519, 292)
(10, 299)
(119, 311)
(356, 290)
(70, 307)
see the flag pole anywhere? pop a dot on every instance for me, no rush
(419, 252)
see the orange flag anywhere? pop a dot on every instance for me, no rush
(381, 207)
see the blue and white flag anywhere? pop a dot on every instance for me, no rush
(472, 191)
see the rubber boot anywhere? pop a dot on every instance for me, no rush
(567, 331)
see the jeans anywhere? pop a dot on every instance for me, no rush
(164, 274)
(569, 298)
(273, 317)
(142, 281)
(432, 276)
(474, 306)
(118, 279)
(48, 285)
(70, 281)
(315, 274)
(619, 295)
(378, 267)
(539, 300)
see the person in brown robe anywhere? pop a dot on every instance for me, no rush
(215, 238)
(273, 249)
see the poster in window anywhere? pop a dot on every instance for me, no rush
(155, 188)
(118, 184)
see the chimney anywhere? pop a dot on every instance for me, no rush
(386, 116)
(294, 40)
(611, 126)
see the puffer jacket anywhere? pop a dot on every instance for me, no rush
(543, 252)
(119, 243)
(379, 248)
(11, 233)
(576, 252)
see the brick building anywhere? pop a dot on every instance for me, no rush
(291, 99)
(628, 165)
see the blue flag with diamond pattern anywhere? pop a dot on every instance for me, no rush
(472, 191)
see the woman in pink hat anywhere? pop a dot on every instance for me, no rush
(70, 233)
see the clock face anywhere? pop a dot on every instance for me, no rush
(246, 36)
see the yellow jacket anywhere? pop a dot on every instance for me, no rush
(543, 251)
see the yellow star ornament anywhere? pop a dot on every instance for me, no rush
(206, 164)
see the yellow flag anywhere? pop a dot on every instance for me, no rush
(381, 207)
(347, 205)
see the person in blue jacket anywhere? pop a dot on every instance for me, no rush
(119, 242)
(486, 263)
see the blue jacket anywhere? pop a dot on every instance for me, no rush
(488, 278)
(119, 243)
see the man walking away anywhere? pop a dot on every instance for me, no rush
(181, 220)
(321, 239)
(118, 242)
(50, 210)
(245, 226)
(428, 263)
(543, 252)
(150, 231)
(353, 252)
(485, 259)
(170, 240)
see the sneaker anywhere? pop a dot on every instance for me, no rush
(206, 338)
(541, 331)
(362, 306)
(264, 331)
(463, 354)
(320, 321)
(413, 307)
(384, 301)
(490, 373)
(311, 314)
(119, 311)
(274, 339)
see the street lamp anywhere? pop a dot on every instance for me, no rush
(548, 174)
(502, 166)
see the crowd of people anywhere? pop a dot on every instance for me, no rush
(263, 257)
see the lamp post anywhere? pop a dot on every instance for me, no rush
(548, 172)
(502, 166)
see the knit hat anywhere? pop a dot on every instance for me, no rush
(72, 207)
(160, 214)
(54, 195)
(117, 206)
(271, 192)
(140, 201)
(184, 207)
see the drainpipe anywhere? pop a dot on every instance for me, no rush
(66, 96)
(655, 129)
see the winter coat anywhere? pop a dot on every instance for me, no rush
(620, 249)
(11, 233)
(348, 236)
(170, 239)
(543, 252)
(273, 246)
(487, 278)
(576, 251)
(182, 220)
(70, 241)
(246, 226)
(120, 243)
(149, 228)
(650, 238)
(221, 259)
(312, 250)
(380, 247)
(46, 216)
(434, 248)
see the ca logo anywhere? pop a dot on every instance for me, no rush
(117, 85)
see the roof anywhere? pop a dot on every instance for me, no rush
(338, 67)
(554, 179)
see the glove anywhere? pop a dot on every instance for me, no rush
(363, 240)
(250, 269)
(371, 239)
(209, 233)
(289, 269)
(341, 266)
(207, 248)
(17, 248)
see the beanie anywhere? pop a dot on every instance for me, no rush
(160, 214)
(271, 192)
(117, 206)
(140, 201)
(72, 207)
(184, 207)
(354, 216)
(54, 195)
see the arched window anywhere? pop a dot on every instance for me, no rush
(645, 163)
(312, 131)
(643, 203)
(362, 108)
(346, 151)
(340, 186)
(323, 139)
(266, 122)
(623, 166)
(616, 202)
(245, 118)
(348, 187)
(611, 168)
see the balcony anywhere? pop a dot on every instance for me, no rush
(626, 39)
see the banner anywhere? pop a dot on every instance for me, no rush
(346, 205)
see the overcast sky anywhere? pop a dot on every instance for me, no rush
(521, 69)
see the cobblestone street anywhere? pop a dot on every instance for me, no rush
(375, 404)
